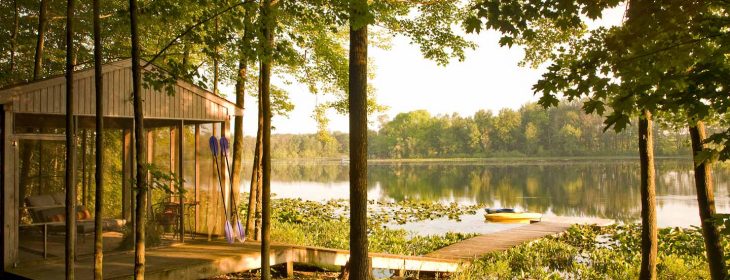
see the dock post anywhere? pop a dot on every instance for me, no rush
(289, 264)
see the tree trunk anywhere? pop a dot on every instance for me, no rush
(238, 122)
(706, 203)
(253, 196)
(98, 171)
(25, 146)
(358, 140)
(14, 36)
(140, 145)
(238, 136)
(40, 42)
(648, 199)
(267, 42)
(70, 147)
(253, 199)
(215, 63)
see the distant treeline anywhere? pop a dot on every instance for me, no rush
(530, 131)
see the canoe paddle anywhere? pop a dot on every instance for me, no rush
(227, 227)
(224, 154)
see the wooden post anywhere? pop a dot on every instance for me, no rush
(127, 166)
(180, 168)
(196, 187)
(150, 161)
(172, 166)
(84, 186)
(10, 193)
(290, 265)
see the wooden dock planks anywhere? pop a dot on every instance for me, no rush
(478, 246)
(203, 259)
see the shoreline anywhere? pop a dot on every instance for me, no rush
(556, 159)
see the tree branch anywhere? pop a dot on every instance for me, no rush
(190, 28)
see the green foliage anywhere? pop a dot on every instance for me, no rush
(591, 252)
(564, 130)
(297, 221)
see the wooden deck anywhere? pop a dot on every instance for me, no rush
(202, 259)
(478, 246)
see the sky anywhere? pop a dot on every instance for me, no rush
(489, 78)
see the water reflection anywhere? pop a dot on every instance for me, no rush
(604, 189)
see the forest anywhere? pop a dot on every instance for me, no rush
(532, 131)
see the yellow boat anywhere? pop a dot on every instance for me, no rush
(511, 216)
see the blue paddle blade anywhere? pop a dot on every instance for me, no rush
(224, 145)
(213, 145)
(241, 233)
(229, 233)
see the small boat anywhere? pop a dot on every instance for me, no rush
(508, 215)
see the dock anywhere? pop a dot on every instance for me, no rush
(199, 259)
(481, 245)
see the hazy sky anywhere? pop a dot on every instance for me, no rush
(488, 78)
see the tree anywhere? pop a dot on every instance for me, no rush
(359, 19)
(140, 145)
(706, 202)
(99, 172)
(648, 198)
(238, 126)
(268, 21)
(40, 43)
(70, 146)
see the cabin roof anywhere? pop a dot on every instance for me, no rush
(48, 97)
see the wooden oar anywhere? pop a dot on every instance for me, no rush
(224, 154)
(227, 227)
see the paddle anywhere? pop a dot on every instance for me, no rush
(224, 154)
(227, 227)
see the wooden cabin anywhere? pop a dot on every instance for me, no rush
(179, 123)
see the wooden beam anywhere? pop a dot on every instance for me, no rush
(150, 158)
(180, 169)
(10, 194)
(196, 186)
(127, 176)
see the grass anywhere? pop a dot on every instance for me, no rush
(589, 252)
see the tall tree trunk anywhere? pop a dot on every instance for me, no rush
(648, 199)
(358, 140)
(254, 208)
(25, 146)
(99, 170)
(140, 145)
(706, 203)
(238, 136)
(215, 64)
(267, 41)
(253, 199)
(14, 36)
(238, 126)
(70, 146)
(40, 42)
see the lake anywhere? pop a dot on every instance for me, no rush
(601, 188)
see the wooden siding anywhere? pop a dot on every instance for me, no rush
(188, 102)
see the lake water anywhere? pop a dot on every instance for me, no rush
(600, 188)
